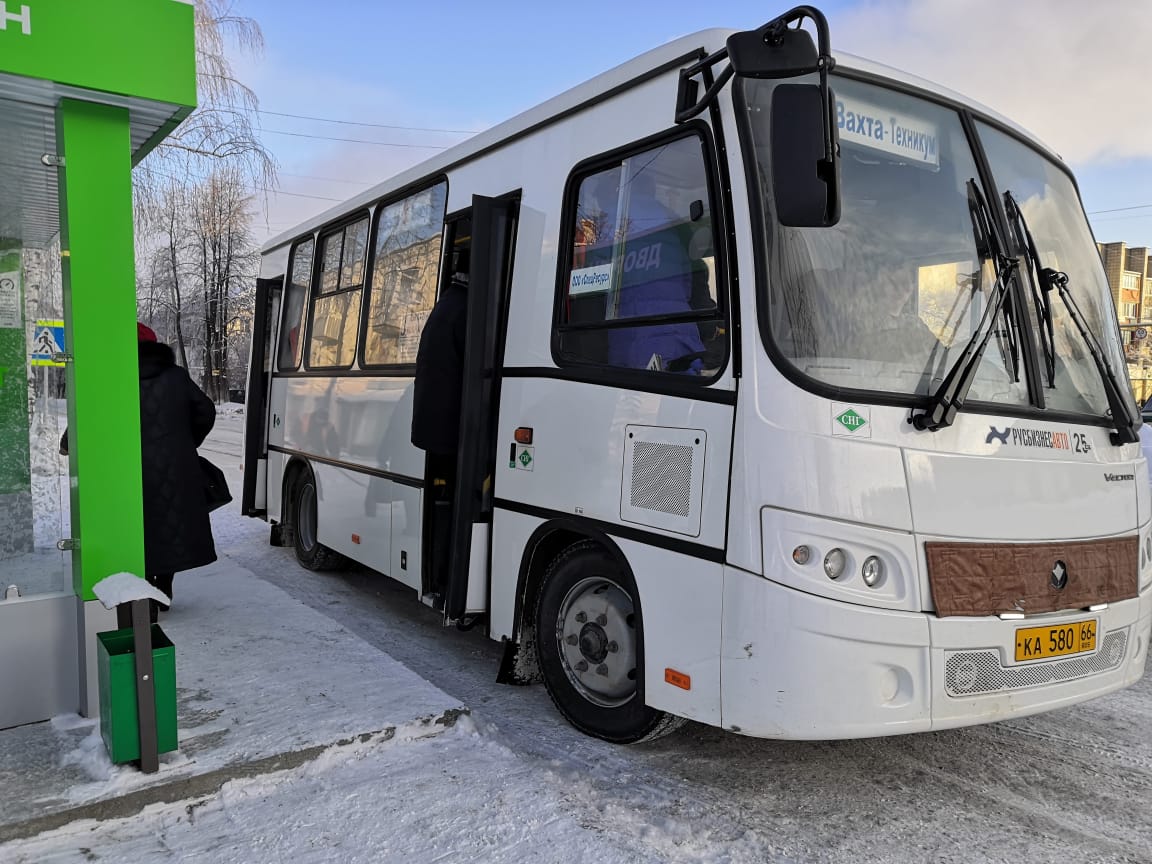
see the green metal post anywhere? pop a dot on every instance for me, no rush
(100, 319)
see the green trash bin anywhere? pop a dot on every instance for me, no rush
(116, 665)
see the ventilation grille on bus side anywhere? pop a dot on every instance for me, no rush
(663, 481)
(662, 477)
(969, 672)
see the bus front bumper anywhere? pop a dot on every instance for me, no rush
(798, 666)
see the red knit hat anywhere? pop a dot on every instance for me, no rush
(144, 333)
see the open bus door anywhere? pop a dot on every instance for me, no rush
(466, 553)
(254, 500)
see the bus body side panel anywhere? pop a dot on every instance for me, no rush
(682, 602)
(407, 534)
(350, 518)
(581, 455)
(277, 462)
(514, 531)
(363, 425)
(580, 467)
(681, 598)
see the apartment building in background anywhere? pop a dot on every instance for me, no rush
(1130, 278)
(1129, 272)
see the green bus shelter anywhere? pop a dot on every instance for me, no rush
(86, 91)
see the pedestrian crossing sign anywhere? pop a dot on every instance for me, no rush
(48, 343)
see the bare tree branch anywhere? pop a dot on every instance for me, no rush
(194, 194)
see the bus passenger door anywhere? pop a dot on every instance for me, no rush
(254, 500)
(490, 275)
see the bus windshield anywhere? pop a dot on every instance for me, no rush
(887, 299)
(1048, 202)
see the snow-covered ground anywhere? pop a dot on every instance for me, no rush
(514, 783)
(458, 796)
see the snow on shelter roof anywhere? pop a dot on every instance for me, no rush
(679, 52)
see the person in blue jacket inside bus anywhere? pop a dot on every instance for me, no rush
(656, 279)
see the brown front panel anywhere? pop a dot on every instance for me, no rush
(990, 578)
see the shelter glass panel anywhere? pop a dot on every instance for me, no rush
(34, 481)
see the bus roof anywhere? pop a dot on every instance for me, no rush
(679, 52)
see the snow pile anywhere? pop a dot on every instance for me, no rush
(125, 588)
(403, 797)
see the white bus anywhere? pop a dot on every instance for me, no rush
(793, 402)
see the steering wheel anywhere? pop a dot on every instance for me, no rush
(681, 364)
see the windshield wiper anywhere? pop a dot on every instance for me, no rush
(1041, 295)
(1125, 417)
(953, 390)
(988, 247)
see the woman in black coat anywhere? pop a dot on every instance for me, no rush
(175, 418)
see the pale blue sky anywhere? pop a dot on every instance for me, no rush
(465, 66)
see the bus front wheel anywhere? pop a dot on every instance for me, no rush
(310, 552)
(588, 641)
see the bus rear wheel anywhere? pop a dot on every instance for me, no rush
(588, 641)
(310, 552)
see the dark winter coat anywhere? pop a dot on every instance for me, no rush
(440, 374)
(175, 418)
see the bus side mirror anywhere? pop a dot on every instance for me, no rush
(773, 51)
(805, 182)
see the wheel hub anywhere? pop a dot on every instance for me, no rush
(593, 643)
(597, 639)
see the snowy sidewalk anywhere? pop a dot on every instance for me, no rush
(298, 742)
(264, 684)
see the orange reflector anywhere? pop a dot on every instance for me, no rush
(678, 679)
(524, 435)
(356, 538)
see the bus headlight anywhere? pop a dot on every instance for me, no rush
(834, 563)
(872, 571)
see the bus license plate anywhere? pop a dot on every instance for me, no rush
(1040, 643)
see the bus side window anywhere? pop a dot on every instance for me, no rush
(405, 274)
(336, 301)
(295, 295)
(642, 251)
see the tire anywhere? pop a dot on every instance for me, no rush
(311, 553)
(588, 638)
